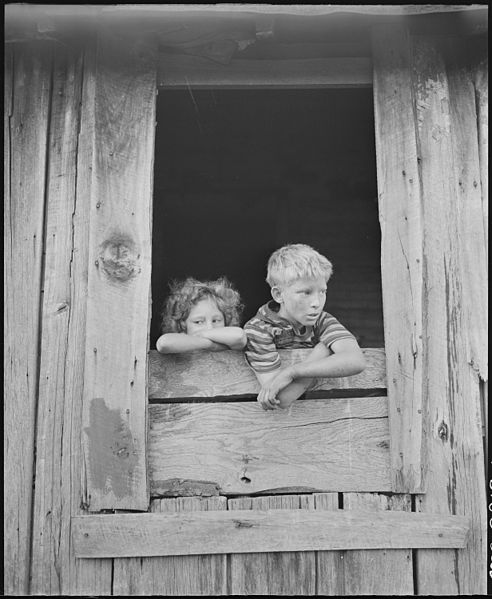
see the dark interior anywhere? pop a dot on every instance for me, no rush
(238, 173)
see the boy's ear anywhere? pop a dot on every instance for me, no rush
(277, 294)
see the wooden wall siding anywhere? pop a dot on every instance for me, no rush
(378, 572)
(227, 375)
(177, 71)
(238, 448)
(481, 81)
(174, 575)
(119, 276)
(454, 469)
(27, 96)
(401, 251)
(280, 573)
(52, 500)
(58, 441)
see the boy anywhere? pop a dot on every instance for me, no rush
(297, 275)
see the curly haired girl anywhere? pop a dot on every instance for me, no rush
(201, 316)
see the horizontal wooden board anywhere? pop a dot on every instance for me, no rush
(238, 448)
(227, 374)
(246, 531)
(183, 71)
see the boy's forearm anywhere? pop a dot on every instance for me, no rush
(335, 365)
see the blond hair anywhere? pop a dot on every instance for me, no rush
(295, 261)
(186, 294)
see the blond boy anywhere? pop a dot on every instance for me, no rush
(297, 275)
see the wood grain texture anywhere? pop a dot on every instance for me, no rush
(378, 572)
(119, 276)
(87, 577)
(52, 501)
(319, 445)
(329, 564)
(281, 573)
(481, 81)
(228, 374)
(58, 441)
(401, 250)
(27, 96)
(174, 575)
(253, 531)
(181, 71)
(454, 470)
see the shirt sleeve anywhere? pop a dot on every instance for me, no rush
(329, 330)
(261, 352)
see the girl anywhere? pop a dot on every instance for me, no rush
(201, 316)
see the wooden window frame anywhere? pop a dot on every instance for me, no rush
(115, 408)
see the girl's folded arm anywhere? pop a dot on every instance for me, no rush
(175, 343)
(231, 337)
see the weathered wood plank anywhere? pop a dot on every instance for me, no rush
(27, 95)
(378, 572)
(87, 577)
(119, 276)
(240, 449)
(181, 71)
(253, 531)
(174, 575)
(227, 374)
(481, 81)
(329, 564)
(286, 573)
(401, 250)
(52, 509)
(454, 471)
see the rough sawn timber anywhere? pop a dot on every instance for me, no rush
(454, 470)
(115, 385)
(176, 575)
(401, 250)
(177, 71)
(238, 448)
(379, 572)
(227, 374)
(253, 531)
(27, 96)
(280, 573)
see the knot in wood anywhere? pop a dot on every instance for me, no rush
(242, 524)
(443, 431)
(118, 258)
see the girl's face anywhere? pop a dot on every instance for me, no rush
(203, 316)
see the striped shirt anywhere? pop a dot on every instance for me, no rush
(267, 332)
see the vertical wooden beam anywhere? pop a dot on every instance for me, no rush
(52, 493)
(330, 574)
(27, 96)
(447, 129)
(176, 575)
(378, 572)
(400, 208)
(118, 312)
(58, 440)
(94, 576)
(481, 81)
(282, 573)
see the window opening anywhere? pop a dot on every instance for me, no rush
(238, 173)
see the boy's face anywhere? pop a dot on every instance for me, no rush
(301, 301)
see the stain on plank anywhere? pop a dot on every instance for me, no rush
(113, 456)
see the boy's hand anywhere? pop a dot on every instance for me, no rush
(267, 397)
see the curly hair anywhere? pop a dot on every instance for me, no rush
(185, 294)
